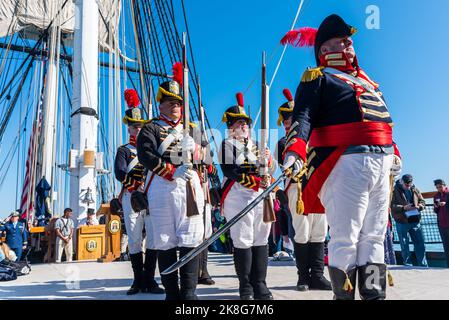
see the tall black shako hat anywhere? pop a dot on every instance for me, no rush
(234, 113)
(332, 27)
(286, 109)
(171, 90)
(134, 114)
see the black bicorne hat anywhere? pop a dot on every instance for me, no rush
(332, 27)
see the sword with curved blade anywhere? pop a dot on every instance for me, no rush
(194, 252)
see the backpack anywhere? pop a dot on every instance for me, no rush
(7, 274)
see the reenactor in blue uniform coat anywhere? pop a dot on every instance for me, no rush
(131, 173)
(342, 130)
(16, 234)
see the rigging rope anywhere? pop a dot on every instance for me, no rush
(285, 47)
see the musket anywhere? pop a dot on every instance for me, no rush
(268, 209)
(192, 208)
(205, 139)
(193, 253)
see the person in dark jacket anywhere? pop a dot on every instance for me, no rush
(16, 234)
(406, 207)
(441, 208)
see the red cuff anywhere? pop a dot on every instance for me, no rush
(168, 171)
(297, 146)
(135, 185)
(251, 181)
(396, 150)
(211, 169)
(256, 183)
(270, 161)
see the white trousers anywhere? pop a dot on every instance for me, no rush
(250, 230)
(134, 223)
(170, 227)
(64, 246)
(355, 197)
(308, 228)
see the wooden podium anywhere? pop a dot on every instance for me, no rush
(90, 242)
(113, 234)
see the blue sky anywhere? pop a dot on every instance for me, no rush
(407, 56)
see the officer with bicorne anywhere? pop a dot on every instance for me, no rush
(342, 130)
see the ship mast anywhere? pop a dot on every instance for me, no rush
(50, 102)
(84, 121)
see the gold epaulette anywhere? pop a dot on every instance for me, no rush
(193, 125)
(311, 74)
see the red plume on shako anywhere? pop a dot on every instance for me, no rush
(132, 98)
(239, 97)
(134, 114)
(178, 72)
(287, 94)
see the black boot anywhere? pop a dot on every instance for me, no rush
(372, 281)
(203, 274)
(258, 274)
(170, 281)
(302, 264)
(149, 267)
(343, 283)
(189, 276)
(316, 262)
(242, 262)
(137, 265)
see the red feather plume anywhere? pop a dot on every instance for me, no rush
(178, 72)
(287, 94)
(132, 98)
(303, 37)
(239, 97)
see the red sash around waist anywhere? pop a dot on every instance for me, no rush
(352, 134)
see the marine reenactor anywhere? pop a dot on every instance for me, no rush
(131, 174)
(240, 162)
(175, 194)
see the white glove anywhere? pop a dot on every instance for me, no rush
(188, 144)
(184, 172)
(396, 168)
(293, 162)
(297, 167)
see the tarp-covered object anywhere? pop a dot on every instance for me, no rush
(42, 193)
(33, 16)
